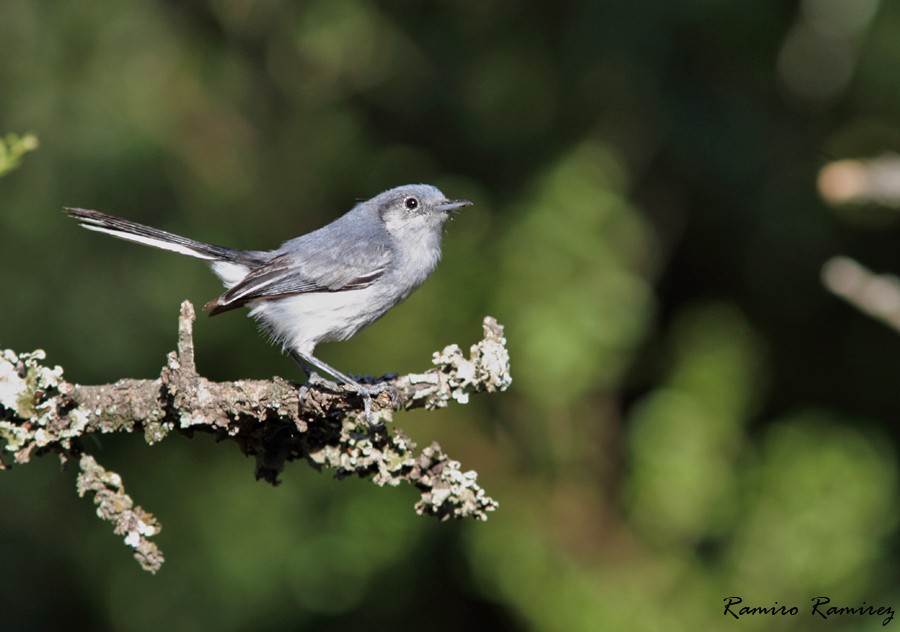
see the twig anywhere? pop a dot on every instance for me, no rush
(877, 295)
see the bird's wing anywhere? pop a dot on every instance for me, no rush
(334, 269)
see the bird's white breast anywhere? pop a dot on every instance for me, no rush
(302, 321)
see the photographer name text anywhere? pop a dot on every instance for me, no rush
(820, 607)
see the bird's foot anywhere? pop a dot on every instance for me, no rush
(317, 380)
(370, 391)
(366, 392)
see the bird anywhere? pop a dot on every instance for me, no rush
(322, 286)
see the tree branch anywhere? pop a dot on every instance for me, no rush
(275, 421)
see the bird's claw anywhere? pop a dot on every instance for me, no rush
(370, 391)
(367, 392)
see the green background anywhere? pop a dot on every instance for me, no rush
(693, 416)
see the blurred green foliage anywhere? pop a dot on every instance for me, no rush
(12, 148)
(693, 416)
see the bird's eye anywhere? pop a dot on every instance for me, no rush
(411, 203)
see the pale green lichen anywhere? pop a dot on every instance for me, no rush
(453, 493)
(114, 505)
(486, 369)
(29, 391)
(155, 431)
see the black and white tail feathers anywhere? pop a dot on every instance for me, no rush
(132, 231)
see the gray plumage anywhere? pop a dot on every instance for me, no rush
(325, 285)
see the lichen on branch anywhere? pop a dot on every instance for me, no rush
(275, 421)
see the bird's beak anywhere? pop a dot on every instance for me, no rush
(452, 205)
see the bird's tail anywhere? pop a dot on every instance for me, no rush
(132, 231)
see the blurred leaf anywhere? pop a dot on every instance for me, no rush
(687, 436)
(573, 279)
(12, 148)
(815, 465)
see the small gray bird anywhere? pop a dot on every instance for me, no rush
(325, 285)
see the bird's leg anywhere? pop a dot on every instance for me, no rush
(311, 376)
(366, 391)
(306, 360)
